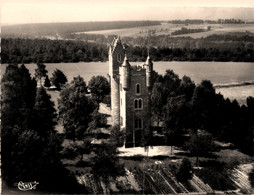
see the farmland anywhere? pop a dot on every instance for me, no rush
(40, 30)
(122, 28)
(167, 28)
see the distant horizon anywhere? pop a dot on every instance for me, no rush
(13, 24)
(14, 12)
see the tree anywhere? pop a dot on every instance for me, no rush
(43, 155)
(40, 71)
(117, 136)
(176, 119)
(28, 86)
(47, 82)
(75, 109)
(45, 113)
(250, 116)
(77, 150)
(17, 102)
(105, 164)
(156, 77)
(187, 87)
(204, 105)
(251, 177)
(99, 87)
(200, 145)
(58, 78)
(98, 120)
(184, 172)
(171, 83)
(157, 102)
(18, 96)
(28, 154)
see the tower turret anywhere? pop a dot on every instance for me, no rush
(126, 74)
(149, 69)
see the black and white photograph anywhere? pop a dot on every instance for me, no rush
(127, 97)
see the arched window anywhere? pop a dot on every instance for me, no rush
(138, 103)
(138, 123)
(138, 88)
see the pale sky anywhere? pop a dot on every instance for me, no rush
(39, 11)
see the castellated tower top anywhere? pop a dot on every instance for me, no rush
(115, 45)
(116, 57)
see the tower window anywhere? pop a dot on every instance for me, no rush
(119, 58)
(137, 88)
(138, 123)
(138, 103)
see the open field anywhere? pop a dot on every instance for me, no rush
(57, 30)
(222, 29)
(168, 28)
(220, 73)
(239, 93)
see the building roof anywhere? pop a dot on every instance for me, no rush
(148, 61)
(116, 41)
(126, 62)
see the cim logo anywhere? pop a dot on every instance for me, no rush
(25, 186)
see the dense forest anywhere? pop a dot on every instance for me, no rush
(161, 48)
(184, 30)
(219, 21)
(184, 107)
(49, 51)
(32, 148)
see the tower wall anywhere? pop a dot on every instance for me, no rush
(134, 136)
(115, 103)
(116, 56)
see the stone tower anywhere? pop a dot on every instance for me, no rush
(116, 56)
(130, 94)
